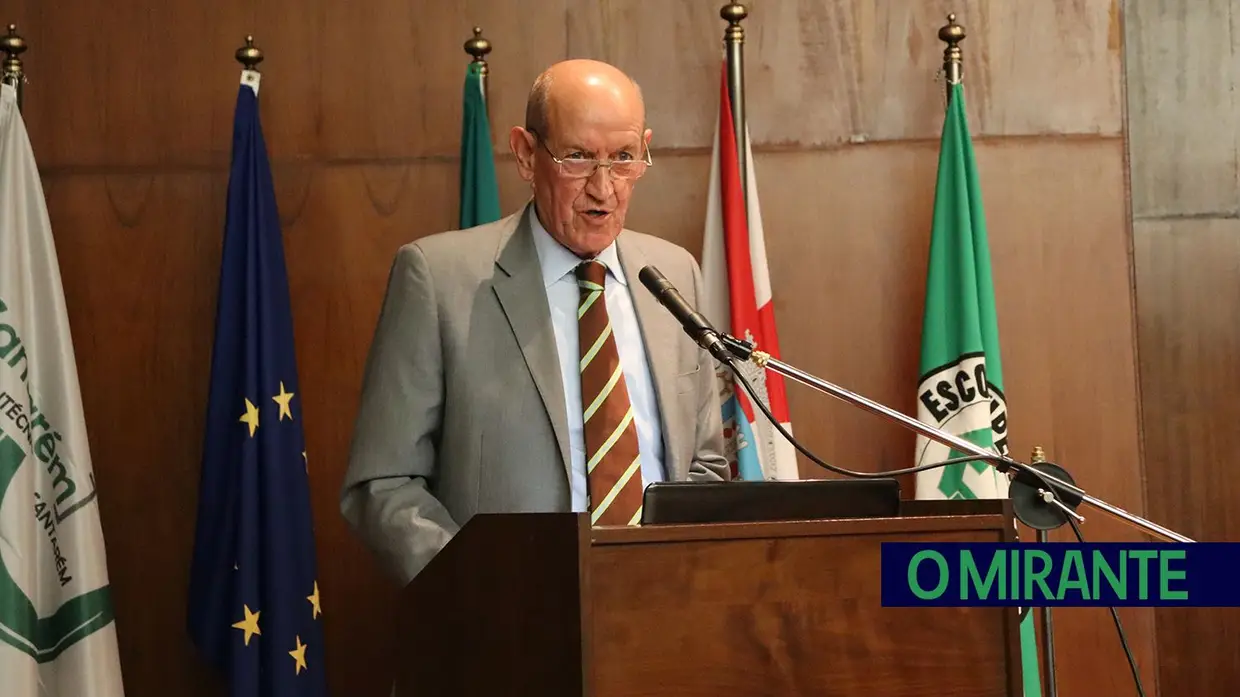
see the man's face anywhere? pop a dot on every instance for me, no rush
(584, 213)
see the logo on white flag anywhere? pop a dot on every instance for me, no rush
(39, 497)
(957, 398)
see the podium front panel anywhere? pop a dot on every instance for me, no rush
(778, 609)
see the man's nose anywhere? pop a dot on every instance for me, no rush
(600, 184)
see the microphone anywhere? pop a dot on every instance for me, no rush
(695, 325)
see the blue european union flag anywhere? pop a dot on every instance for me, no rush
(254, 608)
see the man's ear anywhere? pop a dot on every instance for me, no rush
(521, 143)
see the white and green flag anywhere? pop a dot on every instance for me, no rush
(960, 390)
(57, 634)
(961, 376)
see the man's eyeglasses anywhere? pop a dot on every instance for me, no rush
(576, 166)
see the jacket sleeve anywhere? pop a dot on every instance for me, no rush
(386, 497)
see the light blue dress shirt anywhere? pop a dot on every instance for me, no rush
(563, 296)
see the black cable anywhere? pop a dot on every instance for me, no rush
(838, 470)
(753, 397)
(1119, 627)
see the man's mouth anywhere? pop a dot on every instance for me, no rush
(596, 213)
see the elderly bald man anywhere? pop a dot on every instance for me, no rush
(519, 366)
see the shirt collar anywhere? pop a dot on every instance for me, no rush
(557, 261)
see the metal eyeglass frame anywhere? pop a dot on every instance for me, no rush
(649, 161)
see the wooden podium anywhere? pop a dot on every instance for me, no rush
(543, 605)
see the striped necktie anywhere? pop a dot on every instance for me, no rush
(613, 465)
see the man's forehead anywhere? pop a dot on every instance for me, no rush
(597, 137)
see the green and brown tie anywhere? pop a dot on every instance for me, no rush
(613, 464)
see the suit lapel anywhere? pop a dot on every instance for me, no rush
(659, 332)
(519, 287)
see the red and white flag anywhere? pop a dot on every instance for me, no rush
(738, 297)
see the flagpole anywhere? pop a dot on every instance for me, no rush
(953, 58)
(953, 71)
(13, 45)
(478, 47)
(1048, 631)
(734, 42)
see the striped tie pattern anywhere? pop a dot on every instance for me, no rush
(613, 463)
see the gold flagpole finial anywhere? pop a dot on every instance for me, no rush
(953, 58)
(733, 13)
(249, 55)
(13, 46)
(478, 47)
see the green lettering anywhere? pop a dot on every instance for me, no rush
(1143, 578)
(20, 355)
(45, 447)
(12, 341)
(7, 347)
(1074, 565)
(969, 577)
(1119, 584)
(59, 476)
(38, 420)
(913, 584)
(1166, 574)
(1038, 577)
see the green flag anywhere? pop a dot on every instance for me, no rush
(479, 190)
(960, 389)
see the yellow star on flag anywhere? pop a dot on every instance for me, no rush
(299, 655)
(251, 416)
(249, 625)
(314, 601)
(283, 400)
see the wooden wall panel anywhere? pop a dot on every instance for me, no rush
(370, 81)
(1182, 75)
(139, 257)
(1188, 288)
(130, 84)
(400, 94)
(827, 73)
(1182, 120)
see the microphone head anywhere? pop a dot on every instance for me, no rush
(654, 280)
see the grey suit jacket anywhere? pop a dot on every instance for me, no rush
(462, 409)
